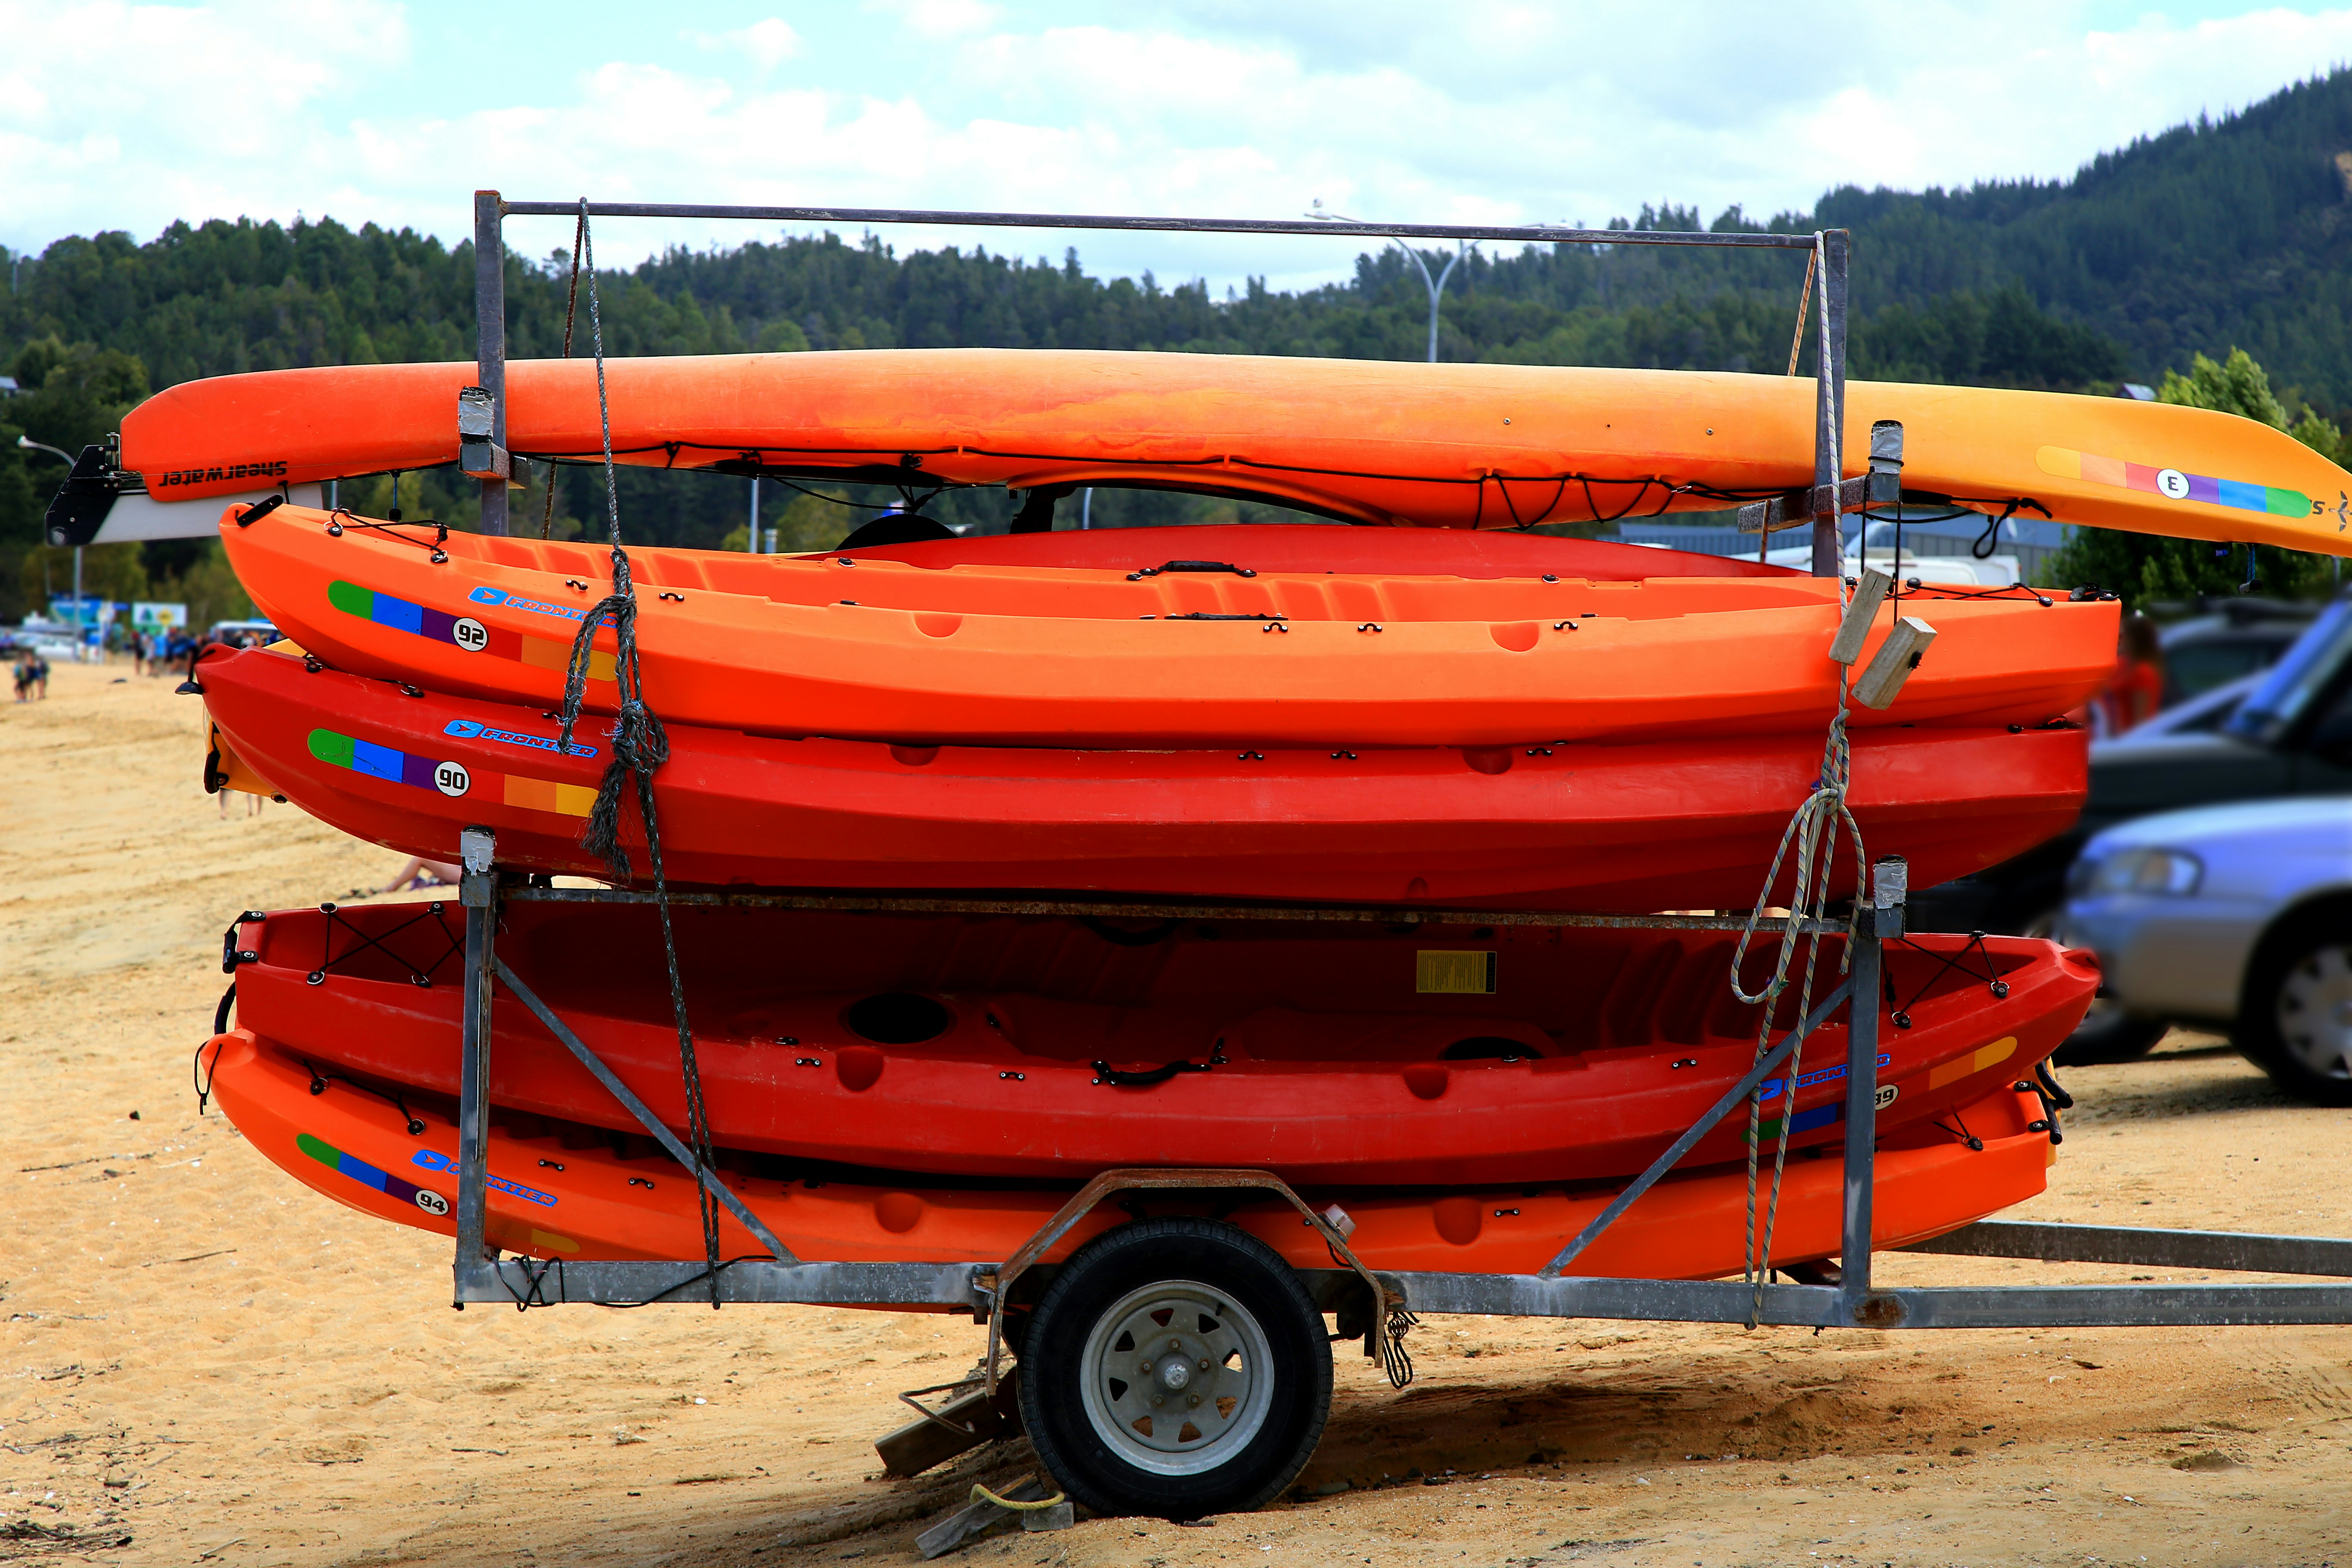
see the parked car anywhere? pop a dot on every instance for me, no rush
(2232, 639)
(2234, 917)
(2288, 732)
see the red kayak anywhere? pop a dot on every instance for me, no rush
(1597, 826)
(1045, 1047)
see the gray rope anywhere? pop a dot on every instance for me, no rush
(639, 747)
(571, 315)
(1812, 831)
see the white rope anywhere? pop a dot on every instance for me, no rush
(1812, 832)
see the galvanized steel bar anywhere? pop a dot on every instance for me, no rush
(1825, 1306)
(477, 892)
(642, 1111)
(2218, 1250)
(1828, 398)
(490, 339)
(1732, 1098)
(1532, 234)
(1865, 957)
(516, 1280)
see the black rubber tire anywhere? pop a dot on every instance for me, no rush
(2257, 1035)
(1094, 1280)
(2109, 1034)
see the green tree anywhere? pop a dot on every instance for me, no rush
(2143, 567)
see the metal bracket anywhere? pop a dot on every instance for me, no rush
(1085, 1201)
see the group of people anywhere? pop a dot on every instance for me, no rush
(32, 676)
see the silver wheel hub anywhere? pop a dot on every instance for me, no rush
(1177, 1378)
(2314, 1012)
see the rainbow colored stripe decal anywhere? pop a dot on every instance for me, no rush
(461, 632)
(2063, 462)
(453, 779)
(367, 1176)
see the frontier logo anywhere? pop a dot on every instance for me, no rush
(222, 474)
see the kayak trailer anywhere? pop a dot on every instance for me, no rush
(1122, 1293)
(1085, 1313)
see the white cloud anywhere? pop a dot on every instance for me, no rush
(768, 42)
(939, 18)
(113, 115)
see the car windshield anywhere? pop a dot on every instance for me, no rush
(2299, 676)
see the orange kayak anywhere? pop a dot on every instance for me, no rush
(1454, 446)
(565, 1191)
(1040, 1048)
(1642, 825)
(1164, 653)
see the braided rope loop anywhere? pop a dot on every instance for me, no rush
(1813, 833)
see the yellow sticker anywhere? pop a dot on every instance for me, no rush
(1976, 1061)
(1460, 972)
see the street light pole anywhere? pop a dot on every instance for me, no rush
(28, 444)
(1436, 286)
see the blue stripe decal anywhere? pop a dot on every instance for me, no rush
(376, 761)
(433, 1160)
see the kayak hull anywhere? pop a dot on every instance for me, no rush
(1632, 827)
(1052, 1047)
(553, 1194)
(1453, 445)
(878, 648)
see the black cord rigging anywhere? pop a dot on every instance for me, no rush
(639, 749)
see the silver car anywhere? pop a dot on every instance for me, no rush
(2233, 917)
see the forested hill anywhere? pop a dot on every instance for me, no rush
(2227, 233)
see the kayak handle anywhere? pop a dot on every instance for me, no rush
(1106, 1073)
(1191, 566)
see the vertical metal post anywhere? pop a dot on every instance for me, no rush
(1880, 917)
(755, 516)
(490, 338)
(477, 891)
(1861, 1112)
(1829, 423)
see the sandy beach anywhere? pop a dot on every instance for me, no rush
(205, 1363)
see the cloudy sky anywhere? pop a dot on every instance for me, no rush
(128, 116)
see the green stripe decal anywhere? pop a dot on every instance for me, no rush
(351, 598)
(331, 748)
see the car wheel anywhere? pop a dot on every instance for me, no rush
(1175, 1367)
(2296, 1023)
(2108, 1034)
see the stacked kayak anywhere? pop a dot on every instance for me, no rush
(1414, 723)
(1052, 1047)
(562, 1191)
(1165, 653)
(1604, 825)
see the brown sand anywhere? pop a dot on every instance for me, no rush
(248, 1373)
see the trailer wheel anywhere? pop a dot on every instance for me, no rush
(1175, 1367)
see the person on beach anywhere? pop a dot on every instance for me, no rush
(422, 873)
(23, 676)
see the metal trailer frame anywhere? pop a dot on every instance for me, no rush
(982, 1288)
(1853, 1301)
